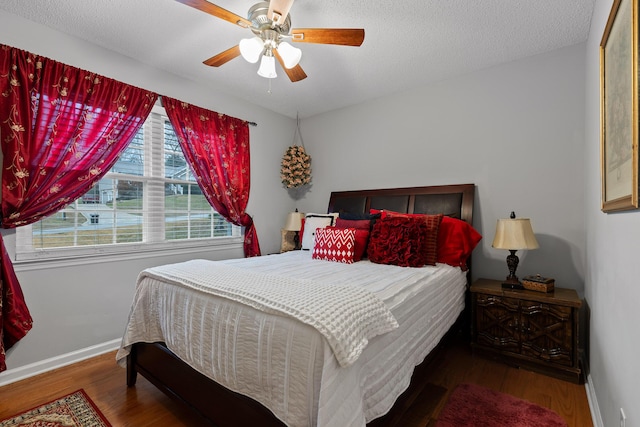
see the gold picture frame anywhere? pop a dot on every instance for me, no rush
(619, 108)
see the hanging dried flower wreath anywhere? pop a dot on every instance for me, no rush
(296, 167)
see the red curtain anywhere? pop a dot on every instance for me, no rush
(61, 130)
(216, 147)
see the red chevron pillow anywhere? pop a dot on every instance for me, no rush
(363, 228)
(335, 244)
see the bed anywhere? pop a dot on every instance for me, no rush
(181, 338)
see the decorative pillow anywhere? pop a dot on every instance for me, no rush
(456, 241)
(312, 221)
(335, 244)
(362, 240)
(353, 223)
(398, 241)
(433, 226)
(363, 228)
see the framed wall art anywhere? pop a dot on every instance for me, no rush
(619, 108)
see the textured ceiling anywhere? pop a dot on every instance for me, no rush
(408, 43)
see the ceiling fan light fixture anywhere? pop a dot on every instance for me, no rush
(290, 55)
(270, 23)
(251, 49)
(268, 67)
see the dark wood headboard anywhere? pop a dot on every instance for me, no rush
(452, 200)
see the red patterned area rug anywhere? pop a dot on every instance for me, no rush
(471, 405)
(73, 410)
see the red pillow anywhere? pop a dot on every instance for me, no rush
(433, 226)
(398, 241)
(363, 228)
(456, 241)
(353, 223)
(335, 244)
(361, 242)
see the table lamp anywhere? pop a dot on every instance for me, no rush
(294, 223)
(514, 234)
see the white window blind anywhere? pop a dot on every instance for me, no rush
(148, 200)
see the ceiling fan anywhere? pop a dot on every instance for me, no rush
(270, 23)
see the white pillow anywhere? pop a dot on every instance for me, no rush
(311, 222)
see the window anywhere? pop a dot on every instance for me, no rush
(149, 199)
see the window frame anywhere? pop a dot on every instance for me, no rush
(153, 173)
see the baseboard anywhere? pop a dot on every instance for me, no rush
(596, 417)
(12, 375)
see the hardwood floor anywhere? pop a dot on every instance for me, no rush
(457, 366)
(143, 405)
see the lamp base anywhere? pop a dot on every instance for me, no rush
(512, 281)
(296, 240)
(511, 285)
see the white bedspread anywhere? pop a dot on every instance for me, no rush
(287, 365)
(347, 316)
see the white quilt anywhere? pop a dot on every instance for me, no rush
(287, 365)
(347, 316)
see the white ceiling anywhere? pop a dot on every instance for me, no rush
(408, 43)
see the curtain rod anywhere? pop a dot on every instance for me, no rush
(252, 123)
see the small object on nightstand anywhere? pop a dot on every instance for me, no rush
(538, 283)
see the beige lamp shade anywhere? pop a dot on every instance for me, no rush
(514, 234)
(294, 221)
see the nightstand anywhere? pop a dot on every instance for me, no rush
(528, 329)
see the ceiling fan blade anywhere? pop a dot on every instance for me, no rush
(341, 36)
(280, 8)
(223, 57)
(295, 74)
(217, 11)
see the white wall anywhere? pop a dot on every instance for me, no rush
(515, 130)
(82, 305)
(612, 286)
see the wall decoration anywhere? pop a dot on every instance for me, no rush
(619, 108)
(296, 167)
(295, 170)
